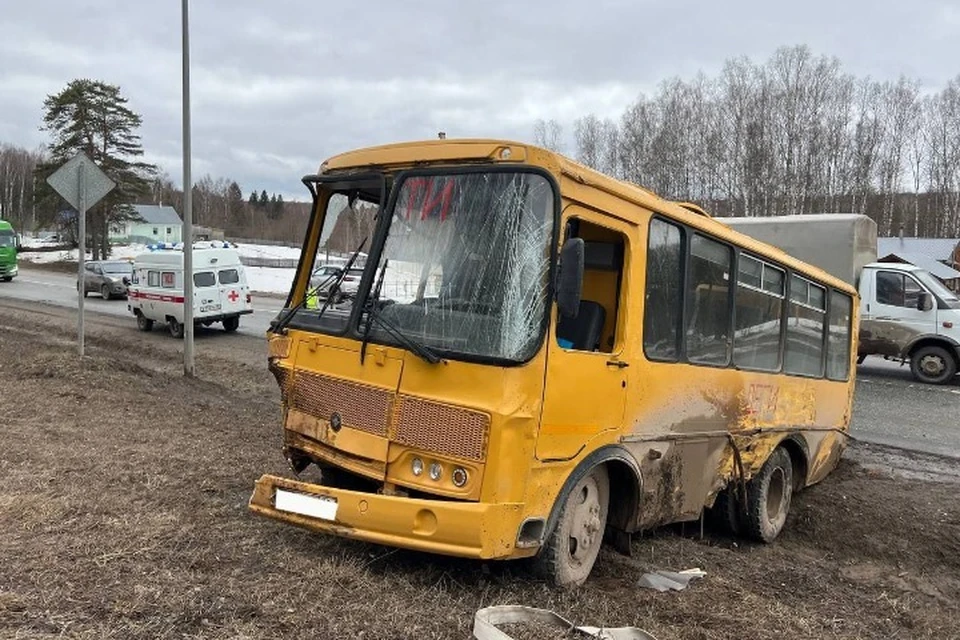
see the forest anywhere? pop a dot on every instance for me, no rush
(792, 135)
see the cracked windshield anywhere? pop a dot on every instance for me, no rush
(466, 262)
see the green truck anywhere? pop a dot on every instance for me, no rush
(9, 245)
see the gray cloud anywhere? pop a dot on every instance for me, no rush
(279, 86)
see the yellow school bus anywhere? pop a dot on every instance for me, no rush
(539, 358)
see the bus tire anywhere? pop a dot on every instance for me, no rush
(570, 552)
(144, 323)
(7, 278)
(726, 515)
(175, 327)
(933, 364)
(768, 497)
(231, 324)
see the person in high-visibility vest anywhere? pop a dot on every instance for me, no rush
(313, 299)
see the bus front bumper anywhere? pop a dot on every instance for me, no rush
(464, 529)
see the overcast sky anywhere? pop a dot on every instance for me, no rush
(280, 85)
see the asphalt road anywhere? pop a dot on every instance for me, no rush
(60, 289)
(889, 408)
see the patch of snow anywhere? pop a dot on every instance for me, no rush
(268, 251)
(269, 279)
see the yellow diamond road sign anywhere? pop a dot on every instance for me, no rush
(67, 180)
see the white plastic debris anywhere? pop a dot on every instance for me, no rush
(670, 580)
(486, 620)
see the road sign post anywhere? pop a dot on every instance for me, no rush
(82, 184)
(187, 239)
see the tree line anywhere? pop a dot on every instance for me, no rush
(219, 203)
(795, 134)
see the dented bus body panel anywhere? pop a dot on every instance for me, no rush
(511, 439)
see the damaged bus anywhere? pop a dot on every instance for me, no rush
(540, 358)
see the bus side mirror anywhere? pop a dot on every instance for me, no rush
(925, 301)
(570, 278)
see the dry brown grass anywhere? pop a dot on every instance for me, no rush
(123, 491)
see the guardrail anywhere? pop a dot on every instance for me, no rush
(273, 263)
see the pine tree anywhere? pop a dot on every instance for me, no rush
(93, 117)
(264, 200)
(235, 204)
(253, 198)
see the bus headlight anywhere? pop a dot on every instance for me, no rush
(459, 477)
(417, 466)
(436, 471)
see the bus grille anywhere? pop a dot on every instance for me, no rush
(440, 428)
(360, 407)
(420, 424)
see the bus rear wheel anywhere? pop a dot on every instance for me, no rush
(768, 497)
(231, 324)
(571, 550)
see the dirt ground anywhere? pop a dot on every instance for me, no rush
(123, 492)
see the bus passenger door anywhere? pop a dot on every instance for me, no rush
(585, 384)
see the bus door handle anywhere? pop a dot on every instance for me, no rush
(620, 364)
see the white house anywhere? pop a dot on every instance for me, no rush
(157, 223)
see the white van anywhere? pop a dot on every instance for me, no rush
(220, 290)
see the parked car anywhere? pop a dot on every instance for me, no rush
(109, 278)
(326, 276)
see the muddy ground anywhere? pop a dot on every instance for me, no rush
(123, 491)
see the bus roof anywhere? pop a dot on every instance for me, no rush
(452, 151)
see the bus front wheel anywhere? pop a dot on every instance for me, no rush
(768, 497)
(570, 552)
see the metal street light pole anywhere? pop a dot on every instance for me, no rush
(187, 233)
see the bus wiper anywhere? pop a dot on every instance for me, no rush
(281, 324)
(373, 315)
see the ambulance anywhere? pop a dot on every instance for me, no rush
(220, 290)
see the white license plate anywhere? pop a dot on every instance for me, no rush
(314, 506)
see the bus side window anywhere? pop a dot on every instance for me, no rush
(168, 280)
(804, 349)
(759, 311)
(662, 299)
(153, 278)
(838, 342)
(595, 327)
(708, 313)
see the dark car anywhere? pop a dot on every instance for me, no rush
(109, 278)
